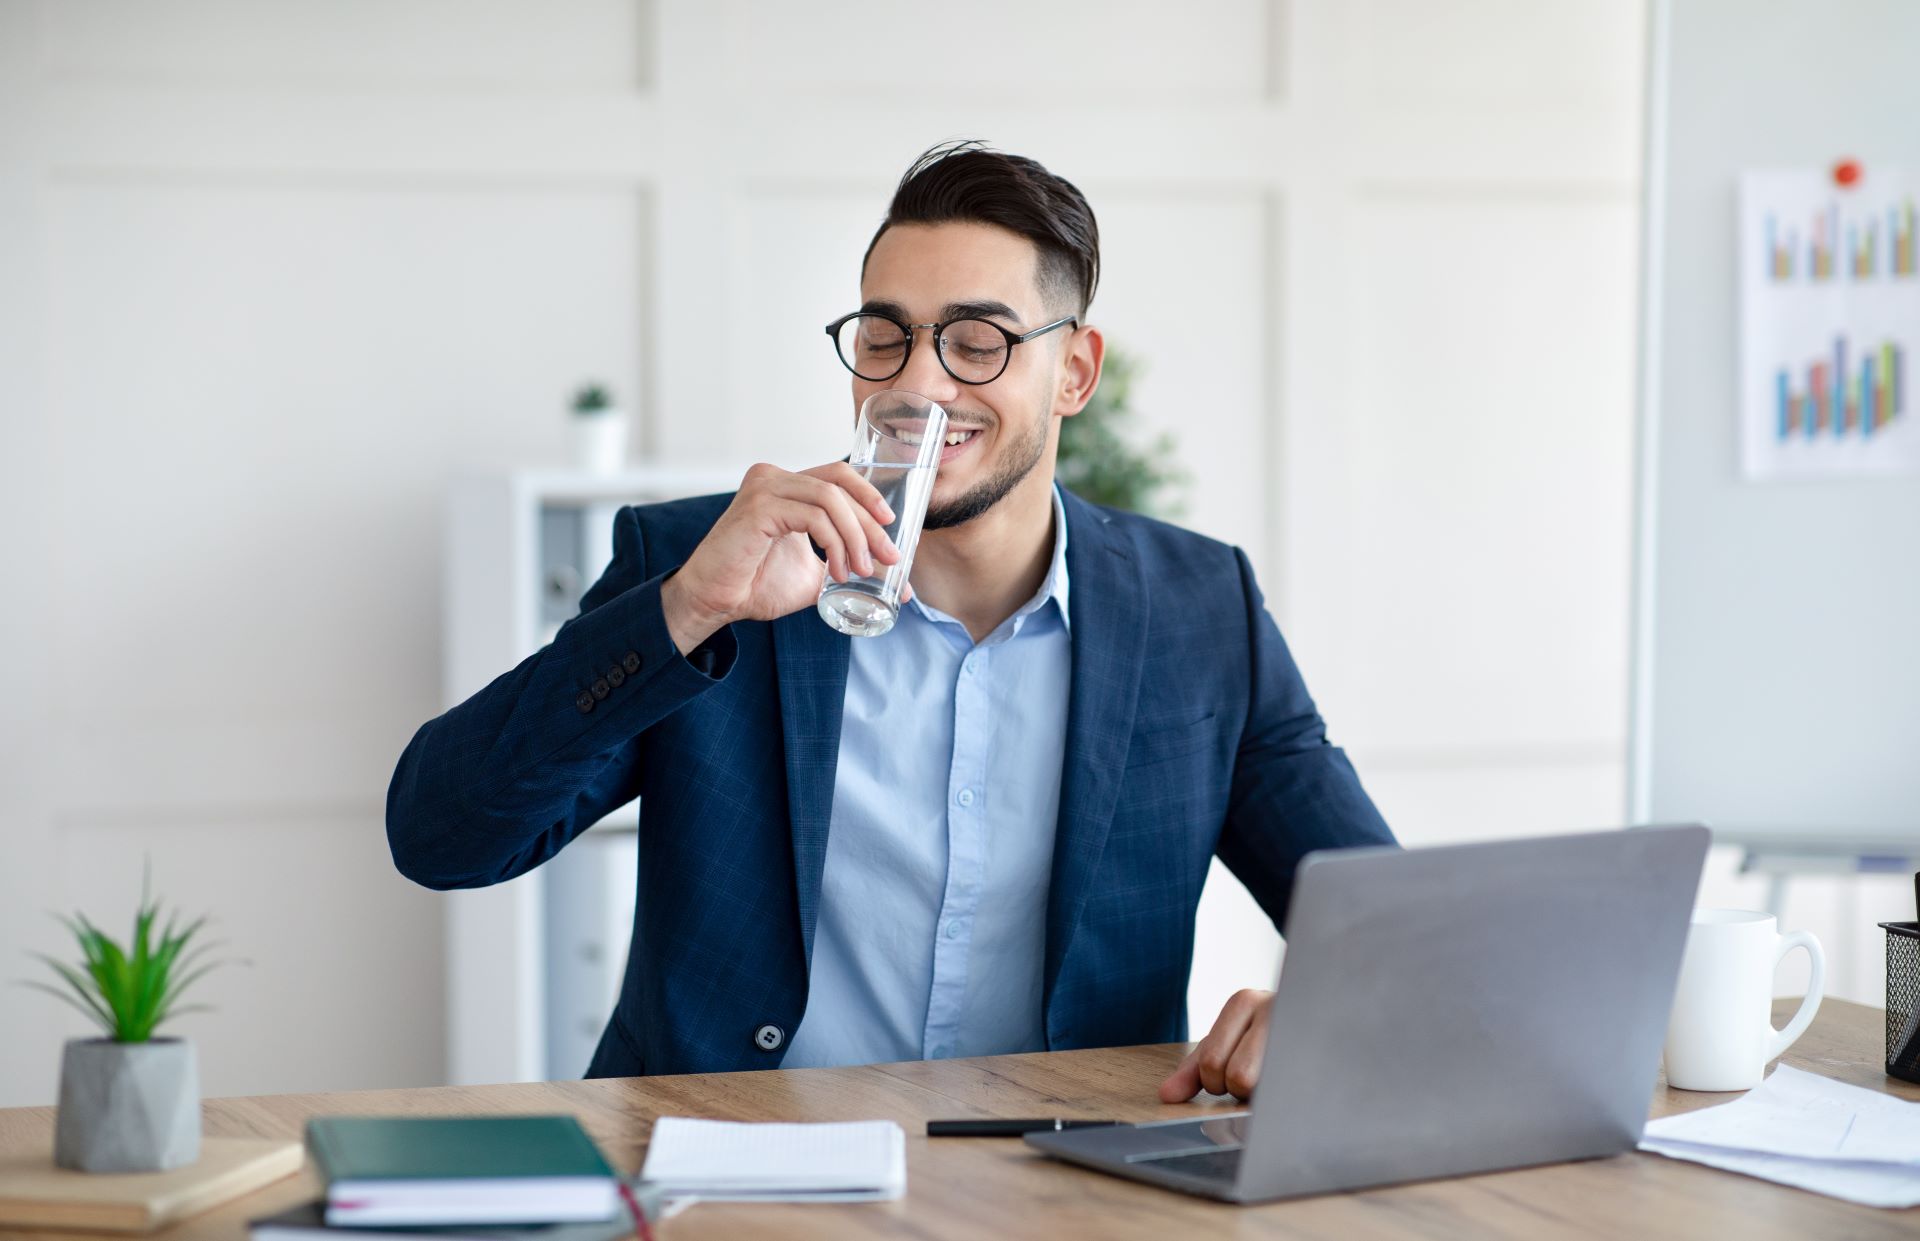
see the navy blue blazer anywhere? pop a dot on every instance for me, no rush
(1189, 734)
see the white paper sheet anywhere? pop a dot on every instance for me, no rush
(1808, 1131)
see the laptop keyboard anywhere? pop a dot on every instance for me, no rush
(1207, 1165)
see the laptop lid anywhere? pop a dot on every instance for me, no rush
(1463, 1008)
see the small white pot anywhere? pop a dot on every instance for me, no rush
(127, 1107)
(600, 441)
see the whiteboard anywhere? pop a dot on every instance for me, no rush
(1776, 673)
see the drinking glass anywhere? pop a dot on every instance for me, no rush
(896, 447)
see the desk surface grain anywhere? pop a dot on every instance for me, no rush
(996, 1187)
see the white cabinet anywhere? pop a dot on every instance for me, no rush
(534, 965)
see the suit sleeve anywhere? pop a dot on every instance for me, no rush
(503, 781)
(1293, 792)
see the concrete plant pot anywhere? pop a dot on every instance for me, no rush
(127, 1107)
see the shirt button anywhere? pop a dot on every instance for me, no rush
(769, 1037)
(584, 702)
(953, 929)
(972, 665)
(942, 1052)
(631, 662)
(965, 798)
(600, 689)
(616, 676)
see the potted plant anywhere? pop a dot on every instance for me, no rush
(129, 1101)
(1098, 461)
(600, 431)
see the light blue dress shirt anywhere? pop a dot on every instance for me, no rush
(931, 939)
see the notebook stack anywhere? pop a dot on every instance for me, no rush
(491, 1177)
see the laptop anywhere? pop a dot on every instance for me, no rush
(1444, 1011)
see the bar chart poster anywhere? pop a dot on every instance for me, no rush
(1829, 323)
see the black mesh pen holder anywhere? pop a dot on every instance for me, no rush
(1903, 1000)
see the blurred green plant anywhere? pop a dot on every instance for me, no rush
(1099, 459)
(128, 990)
(591, 399)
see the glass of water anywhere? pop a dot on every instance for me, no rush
(896, 447)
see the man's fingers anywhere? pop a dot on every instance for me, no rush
(1243, 1066)
(799, 517)
(868, 503)
(1218, 1047)
(860, 533)
(864, 492)
(1184, 1082)
(839, 509)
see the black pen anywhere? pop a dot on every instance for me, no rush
(1006, 1128)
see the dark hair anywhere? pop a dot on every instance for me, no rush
(966, 181)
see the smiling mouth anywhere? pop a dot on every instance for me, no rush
(959, 436)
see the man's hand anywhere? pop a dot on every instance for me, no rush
(1227, 1061)
(755, 563)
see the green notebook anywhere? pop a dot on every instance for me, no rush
(440, 1170)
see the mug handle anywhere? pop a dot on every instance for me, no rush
(1816, 987)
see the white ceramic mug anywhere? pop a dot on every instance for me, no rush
(1721, 1034)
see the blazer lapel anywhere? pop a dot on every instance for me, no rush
(811, 662)
(1108, 606)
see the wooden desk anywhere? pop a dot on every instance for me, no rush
(997, 1188)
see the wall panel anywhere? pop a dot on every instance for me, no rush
(1531, 54)
(1481, 498)
(995, 51)
(260, 391)
(413, 47)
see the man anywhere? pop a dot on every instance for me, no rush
(984, 832)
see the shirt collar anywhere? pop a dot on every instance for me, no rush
(1052, 589)
(1056, 571)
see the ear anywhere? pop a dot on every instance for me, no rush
(1080, 374)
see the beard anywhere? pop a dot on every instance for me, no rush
(1021, 458)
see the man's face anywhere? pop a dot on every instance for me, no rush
(922, 273)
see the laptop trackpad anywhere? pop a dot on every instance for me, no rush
(1134, 1143)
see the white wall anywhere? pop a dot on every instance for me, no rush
(300, 261)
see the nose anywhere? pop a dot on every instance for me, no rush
(924, 374)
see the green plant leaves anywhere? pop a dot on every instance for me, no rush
(591, 398)
(129, 991)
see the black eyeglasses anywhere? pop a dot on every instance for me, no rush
(973, 351)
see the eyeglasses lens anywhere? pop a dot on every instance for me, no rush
(974, 350)
(872, 347)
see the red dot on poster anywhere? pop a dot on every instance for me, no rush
(1847, 172)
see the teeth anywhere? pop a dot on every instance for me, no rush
(909, 437)
(959, 437)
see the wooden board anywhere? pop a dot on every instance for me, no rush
(35, 1194)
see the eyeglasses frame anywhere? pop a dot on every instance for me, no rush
(938, 329)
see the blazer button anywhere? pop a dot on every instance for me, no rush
(584, 702)
(631, 662)
(769, 1037)
(615, 677)
(600, 689)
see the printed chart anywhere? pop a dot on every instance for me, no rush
(1829, 322)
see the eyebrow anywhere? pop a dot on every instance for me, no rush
(981, 309)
